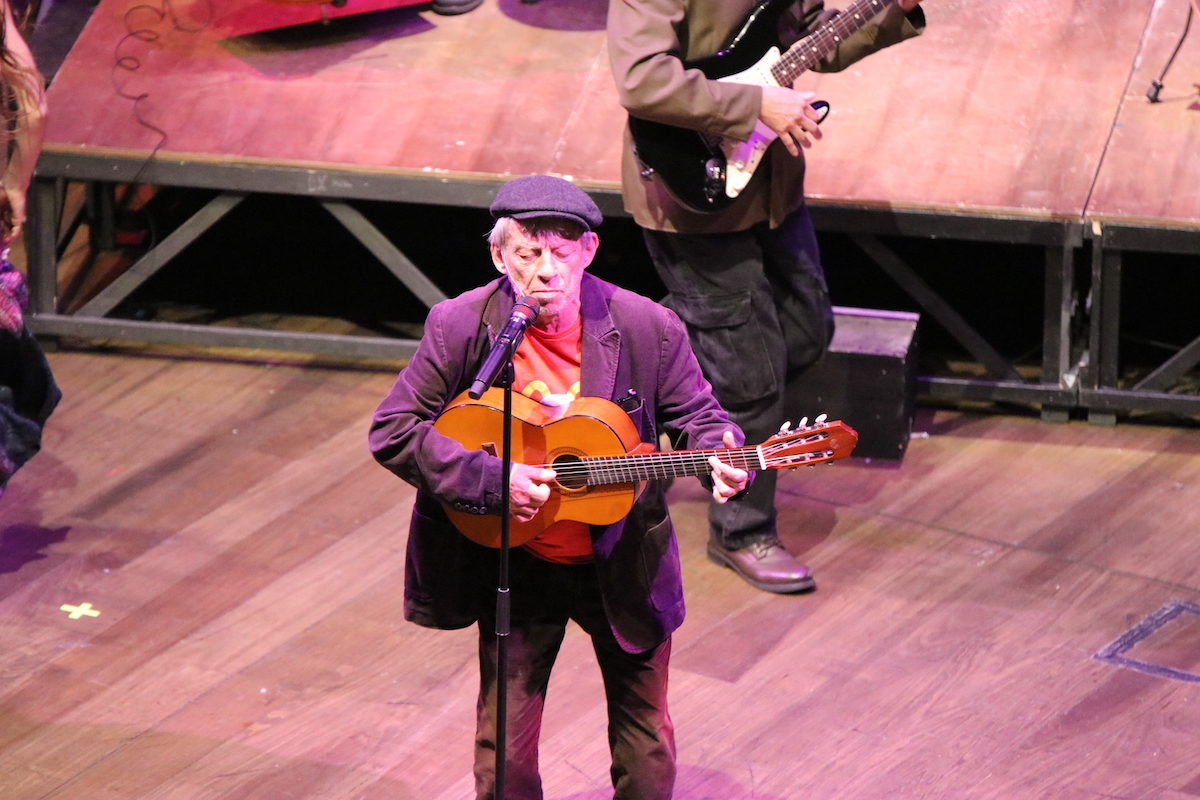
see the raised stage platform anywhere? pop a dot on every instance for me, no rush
(1019, 123)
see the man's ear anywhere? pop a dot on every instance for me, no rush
(498, 260)
(591, 243)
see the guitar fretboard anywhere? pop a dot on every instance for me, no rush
(631, 468)
(804, 447)
(806, 53)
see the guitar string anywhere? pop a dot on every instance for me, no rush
(825, 40)
(843, 25)
(608, 476)
(749, 455)
(603, 469)
(694, 458)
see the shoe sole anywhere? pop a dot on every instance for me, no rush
(802, 585)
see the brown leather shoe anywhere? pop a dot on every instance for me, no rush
(765, 565)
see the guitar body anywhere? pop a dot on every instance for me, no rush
(588, 427)
(601, 462)
(696, 167)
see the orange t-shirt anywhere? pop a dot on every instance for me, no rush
(546, 366)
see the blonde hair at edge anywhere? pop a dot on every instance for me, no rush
(18, 82)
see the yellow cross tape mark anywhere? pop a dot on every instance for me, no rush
(81, 610)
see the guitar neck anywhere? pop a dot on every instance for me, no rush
(634, 467)
(805, 54)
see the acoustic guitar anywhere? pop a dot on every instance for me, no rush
(601, 461)
(707, 173)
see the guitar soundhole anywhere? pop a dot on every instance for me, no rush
(572, 473)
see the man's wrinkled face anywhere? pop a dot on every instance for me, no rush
(547, 265)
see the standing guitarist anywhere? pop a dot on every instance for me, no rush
(619, 582)
(746, 279)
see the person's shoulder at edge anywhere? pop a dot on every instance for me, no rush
(627, 300)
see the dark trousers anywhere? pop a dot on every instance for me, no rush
(28, 394)
(757, 311)
(640, 734)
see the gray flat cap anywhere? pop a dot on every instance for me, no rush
(546, 196)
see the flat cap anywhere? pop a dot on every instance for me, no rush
(546, 196)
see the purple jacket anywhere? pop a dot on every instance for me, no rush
(634, 352)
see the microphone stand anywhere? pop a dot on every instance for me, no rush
(498, 368)
(503, 598)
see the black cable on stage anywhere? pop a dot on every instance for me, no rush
(147, 33)
(130, 63)
(1157, 86)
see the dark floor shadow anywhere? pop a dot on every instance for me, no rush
(23, 539)
(24, 543)
(302, 50)
(558, 15)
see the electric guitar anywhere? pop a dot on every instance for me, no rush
(594, 447)
(707, 172)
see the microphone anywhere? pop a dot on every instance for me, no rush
(523, 314)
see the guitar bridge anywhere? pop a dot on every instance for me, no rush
(714, 178)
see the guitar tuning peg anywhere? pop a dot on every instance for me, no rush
(820, 420)
(803, 422)
(787, 424)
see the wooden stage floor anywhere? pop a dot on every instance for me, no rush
(242, 557)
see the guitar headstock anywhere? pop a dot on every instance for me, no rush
(809, 444)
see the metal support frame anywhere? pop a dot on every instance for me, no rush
(159, 255)
(41, 246)
(1057, 392)
(323, 344)
(995, 364)
(1075, 373)
(46, 210)
(1058, 313)
(390, 255)
(1171, 370)
(101, 204)
(67, 229)
(1101, 393)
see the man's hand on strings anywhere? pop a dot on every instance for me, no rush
(727, 480)
(529, 489)
(790, 115)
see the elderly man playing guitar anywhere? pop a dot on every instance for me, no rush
(620, 581)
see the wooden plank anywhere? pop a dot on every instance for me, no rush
(1000, 107)
(1150, 174)
(400, 89)
(250, 642)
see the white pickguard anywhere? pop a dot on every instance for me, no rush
(742, 158)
